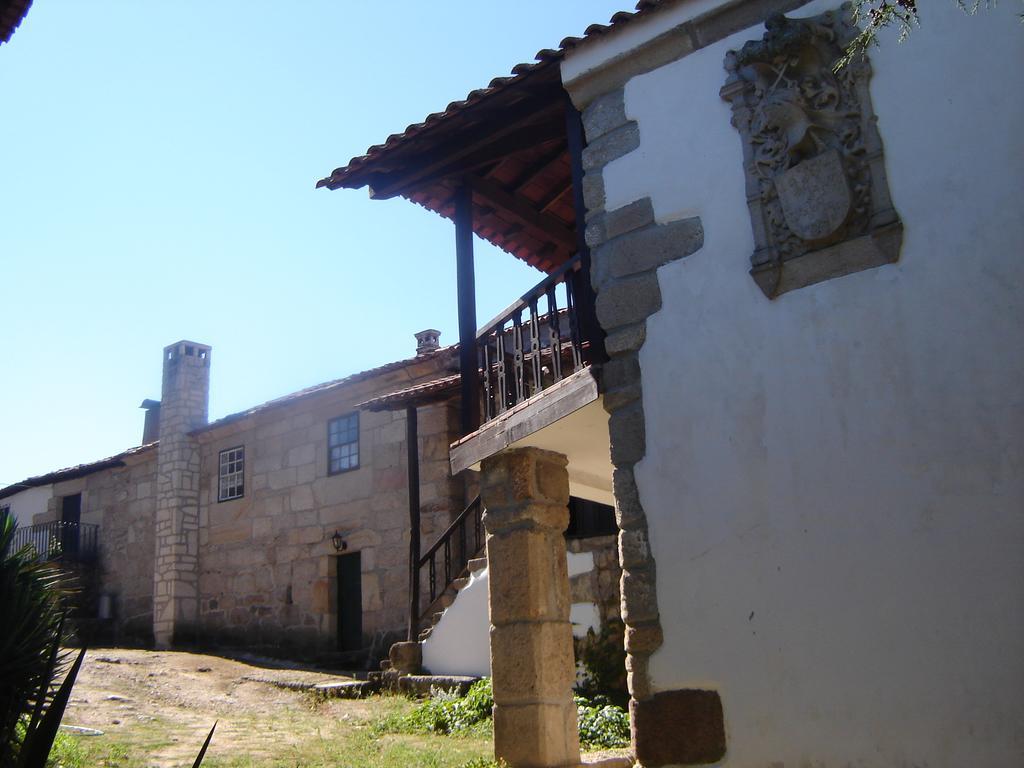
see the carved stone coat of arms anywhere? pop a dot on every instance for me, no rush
(816, 188)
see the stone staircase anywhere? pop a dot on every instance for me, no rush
(436, 609)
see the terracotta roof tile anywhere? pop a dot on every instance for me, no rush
(12, 12)
(438, 354)
(427, 391)
(79, 470)
(543, 58)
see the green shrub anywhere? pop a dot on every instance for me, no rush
(445, 712)
(601, 659)
(484, 762)
(602, 724)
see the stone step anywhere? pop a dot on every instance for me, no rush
(424, 685)
(425, 633)
(353, 690)
(436, 618)
(618, 761)
(477, 564)
(460, 584)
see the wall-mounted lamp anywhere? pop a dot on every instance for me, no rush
(340, 545)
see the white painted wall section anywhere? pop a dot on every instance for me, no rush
(28, 503)
(834, 480)
(460, 643)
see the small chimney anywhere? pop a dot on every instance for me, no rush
(427, 341)
(151, 428)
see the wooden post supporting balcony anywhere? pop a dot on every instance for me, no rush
(413, 463)
(468, 362)
(589, 327)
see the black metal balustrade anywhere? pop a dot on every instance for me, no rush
(536, 342)
(60, 540)
(455, 547)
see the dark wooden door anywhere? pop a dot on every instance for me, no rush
(70, 517)
(350, 602)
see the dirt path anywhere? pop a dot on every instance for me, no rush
(156, 707)
(167, 701)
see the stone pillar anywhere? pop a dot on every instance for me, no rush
(183, 409)
(525, 493)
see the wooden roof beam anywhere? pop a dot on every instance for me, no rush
(554, 196)
(544, 223)
(485, 143)
(536, 169)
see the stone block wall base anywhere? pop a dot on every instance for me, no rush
(537, 735)
(684, 727)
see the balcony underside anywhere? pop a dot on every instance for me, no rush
(567, 418)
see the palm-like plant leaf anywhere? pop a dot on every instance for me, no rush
(202, 752)
(41, 733)
(30, 604)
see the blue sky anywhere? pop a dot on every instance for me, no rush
(157, 184)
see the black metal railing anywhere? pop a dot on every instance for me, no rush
(536, 342)
(60, 540)
(455, 547)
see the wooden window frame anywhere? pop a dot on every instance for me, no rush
(221, 474)
(330, 446)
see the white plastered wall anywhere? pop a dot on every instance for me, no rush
(460, 643)
(834, 480)
(28, 503)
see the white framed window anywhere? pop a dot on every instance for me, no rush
(231, 482)
(343, 444)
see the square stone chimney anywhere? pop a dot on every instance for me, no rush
(184, 405)
(427, 341)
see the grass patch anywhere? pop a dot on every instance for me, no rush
(446, 713)
(602, 724)
(338, 734)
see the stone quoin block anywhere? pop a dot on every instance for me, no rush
(628, 511)
(646, 249)
(684, 727)
(639, 599)
(628, 301)
(639, 213)
(593, 190)
(634, 548)
(627, 434)
(605, 114)
(612, 145)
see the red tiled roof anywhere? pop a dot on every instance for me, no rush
(330, 385)
(80, 470)
(11, 14)
(543, 58)
(420, 393)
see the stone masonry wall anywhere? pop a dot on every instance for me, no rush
(122, 502)
(267, 565)
(183, 409)
(601, 584)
